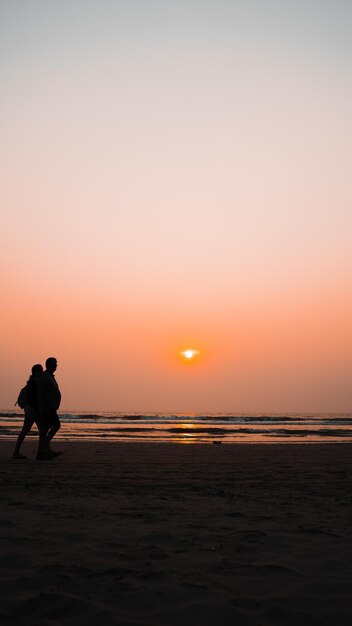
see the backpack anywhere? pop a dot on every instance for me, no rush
(22, 398)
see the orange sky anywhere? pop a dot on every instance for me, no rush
(174, 178)
(280, 355)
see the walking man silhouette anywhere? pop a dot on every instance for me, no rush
(49, 398)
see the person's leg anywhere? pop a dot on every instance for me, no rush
(52, 432)
(27, 425)
(43, 451)
(43, 425)
(54, 427)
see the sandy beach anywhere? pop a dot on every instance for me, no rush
(164, 534)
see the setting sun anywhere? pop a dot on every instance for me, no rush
(189, 354)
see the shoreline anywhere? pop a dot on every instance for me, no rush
(66, 440)
(234, 429)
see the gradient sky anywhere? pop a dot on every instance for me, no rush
(174, 175)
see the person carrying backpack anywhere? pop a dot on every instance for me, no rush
(28, 400)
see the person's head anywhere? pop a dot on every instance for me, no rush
(51, 364)
(37, 369)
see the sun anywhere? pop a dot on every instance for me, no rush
(189, 354)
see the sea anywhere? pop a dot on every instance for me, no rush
(193, 428)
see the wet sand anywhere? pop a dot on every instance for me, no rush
(148, 534)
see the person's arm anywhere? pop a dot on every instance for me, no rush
(42, 384)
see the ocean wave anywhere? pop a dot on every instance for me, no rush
(158, 418)
(198, 427)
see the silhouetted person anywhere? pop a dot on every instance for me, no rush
(49, 398)
(30, 409)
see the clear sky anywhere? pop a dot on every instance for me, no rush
(178, 175)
